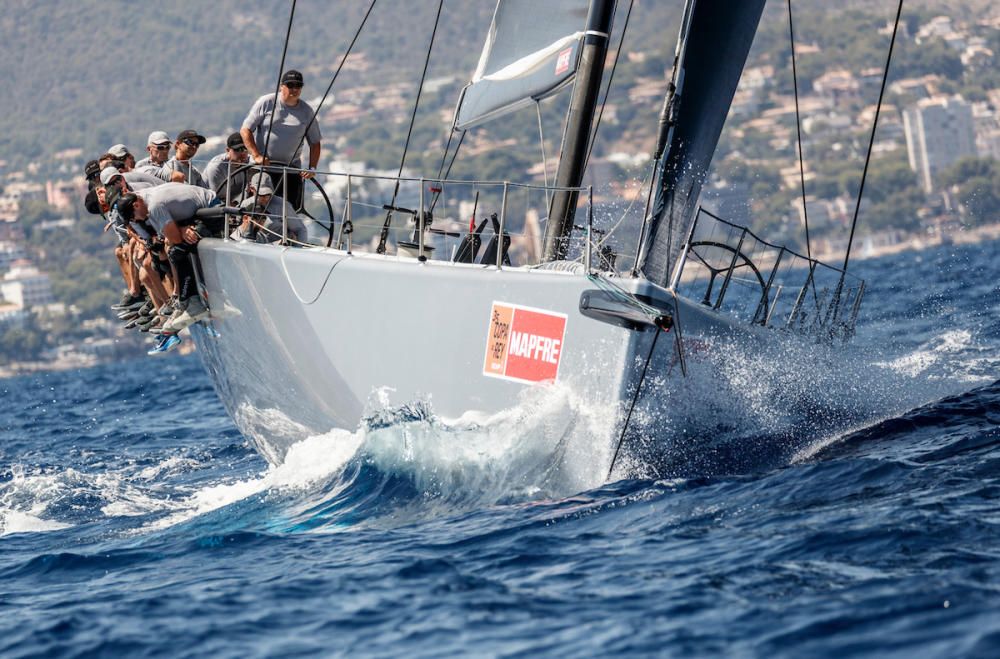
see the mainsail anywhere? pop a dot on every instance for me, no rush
(714, 43)
(531, 52)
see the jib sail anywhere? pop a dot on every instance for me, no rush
(715, 40)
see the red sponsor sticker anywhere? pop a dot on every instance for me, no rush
(524, 344)
(562, 61)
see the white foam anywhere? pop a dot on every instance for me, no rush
(16, 521)
(25, 498)
(307, 462)
(551, 442)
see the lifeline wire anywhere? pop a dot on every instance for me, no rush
(384, 235)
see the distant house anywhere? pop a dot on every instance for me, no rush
(25, 286)
(837, 87)
(10, 253)
(65, 194)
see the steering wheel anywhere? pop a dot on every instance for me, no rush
(330, 218)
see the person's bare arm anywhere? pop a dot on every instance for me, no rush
(314, 151)
(251, 145)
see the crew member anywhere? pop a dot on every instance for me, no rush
(293, 119)
(171, 210)
(185, 148)
(227, 166)
(158, 147)
(265, 213)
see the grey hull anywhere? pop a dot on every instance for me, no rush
(313, 340)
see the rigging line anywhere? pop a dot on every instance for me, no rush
(798, 131)
(277, 90)
(611, 231)
(545, 162)
(607, 90)
(645, 218)
(631, 407)
(384, 235)
(871, 144)
(343, 60)
(444, 177)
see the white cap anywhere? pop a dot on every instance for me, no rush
(262, 183)
(118, 151)
(108, 173)
(158, 137)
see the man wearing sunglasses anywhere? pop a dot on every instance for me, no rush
(293, 119)
(225, 166)
(158, 147)
(185, 148)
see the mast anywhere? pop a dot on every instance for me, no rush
(578, 128)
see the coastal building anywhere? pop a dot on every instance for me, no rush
(25, 286)
(939, 131)
(10, 253)
(837, 87)
(63, 195)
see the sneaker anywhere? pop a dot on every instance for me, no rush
(166, 343)
(135, 321)
(195, 311)
(128, 315)
(146, 322)
(167, 309)
(129, 301)
(146, 308)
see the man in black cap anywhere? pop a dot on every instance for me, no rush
(293, 120)
(185, 148)
(225, 166)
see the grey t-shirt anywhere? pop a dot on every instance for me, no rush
(286, 131)
(216, 172)
(141, 180)
(155, 170)
(191, 173)
(272, 222)
(174, 202)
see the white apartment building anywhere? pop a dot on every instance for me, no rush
(939, 131)
(25, 286)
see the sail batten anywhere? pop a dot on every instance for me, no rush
(531, 52)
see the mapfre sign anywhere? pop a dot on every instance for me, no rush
(524, 344)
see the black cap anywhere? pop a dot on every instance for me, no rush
(92, 169)
(190, 135)
(125, 206)
(292, 78)
(91, 203)
(234, 141)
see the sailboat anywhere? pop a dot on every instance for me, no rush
(311, 338)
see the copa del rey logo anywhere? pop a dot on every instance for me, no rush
(562, 61)
(524, 344)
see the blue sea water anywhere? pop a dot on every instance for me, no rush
(136, 521)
